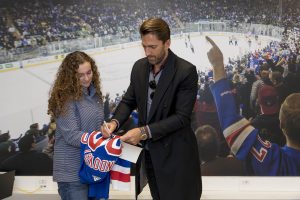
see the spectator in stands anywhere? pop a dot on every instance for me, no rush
(236, 84)
(206, 114)
(118, 99)
(211, 163)
(245, 91)
(106, 107)
(264, 158)
(4, 137)
(7, 147)
(268, 121)
(291, 80)
(28, 161)
(34, 126)
(277, 80)
(49, 149)
(274, 65)
(40, 139)
(34, 129)
(76, 105)
(263, 78)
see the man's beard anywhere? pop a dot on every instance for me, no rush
(154, 60)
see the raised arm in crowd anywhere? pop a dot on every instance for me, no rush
(262, 157)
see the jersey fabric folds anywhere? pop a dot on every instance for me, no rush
(100, 164)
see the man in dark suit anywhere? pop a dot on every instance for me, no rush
(163, 89)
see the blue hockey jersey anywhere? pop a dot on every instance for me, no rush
(100, 164)
(262, 157)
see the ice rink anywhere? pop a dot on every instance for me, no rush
(24, 92)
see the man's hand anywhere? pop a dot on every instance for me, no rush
(215, 57)
(108, 128)
(132, 137)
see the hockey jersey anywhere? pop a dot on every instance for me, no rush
(101, 165)
(262, 157)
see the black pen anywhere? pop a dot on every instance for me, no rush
(105, 124)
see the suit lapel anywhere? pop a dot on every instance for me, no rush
(144, 77)
(163, 83)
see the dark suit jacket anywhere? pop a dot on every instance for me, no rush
(173, 147)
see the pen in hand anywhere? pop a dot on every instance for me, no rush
(107, 129)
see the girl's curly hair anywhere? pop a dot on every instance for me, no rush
(67, 86)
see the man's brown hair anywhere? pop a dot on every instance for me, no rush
(156, 26)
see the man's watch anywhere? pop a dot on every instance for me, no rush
(144, 135)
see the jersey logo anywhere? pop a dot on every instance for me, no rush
(266, 143)
(259, 155)
(96, 178)
(95, 140)
(262, 152)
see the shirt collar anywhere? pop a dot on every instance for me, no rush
(90, 89)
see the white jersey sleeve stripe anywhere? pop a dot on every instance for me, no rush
(236, 126)
(119, 185)
(118, 168)
(240, 139)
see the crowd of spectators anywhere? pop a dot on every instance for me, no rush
(260, 82)
(255, 11)
(29, 154)
(36, 23)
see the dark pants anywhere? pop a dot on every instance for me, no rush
(151, 176)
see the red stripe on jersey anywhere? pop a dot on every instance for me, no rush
(119, 176)
(232, 137)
